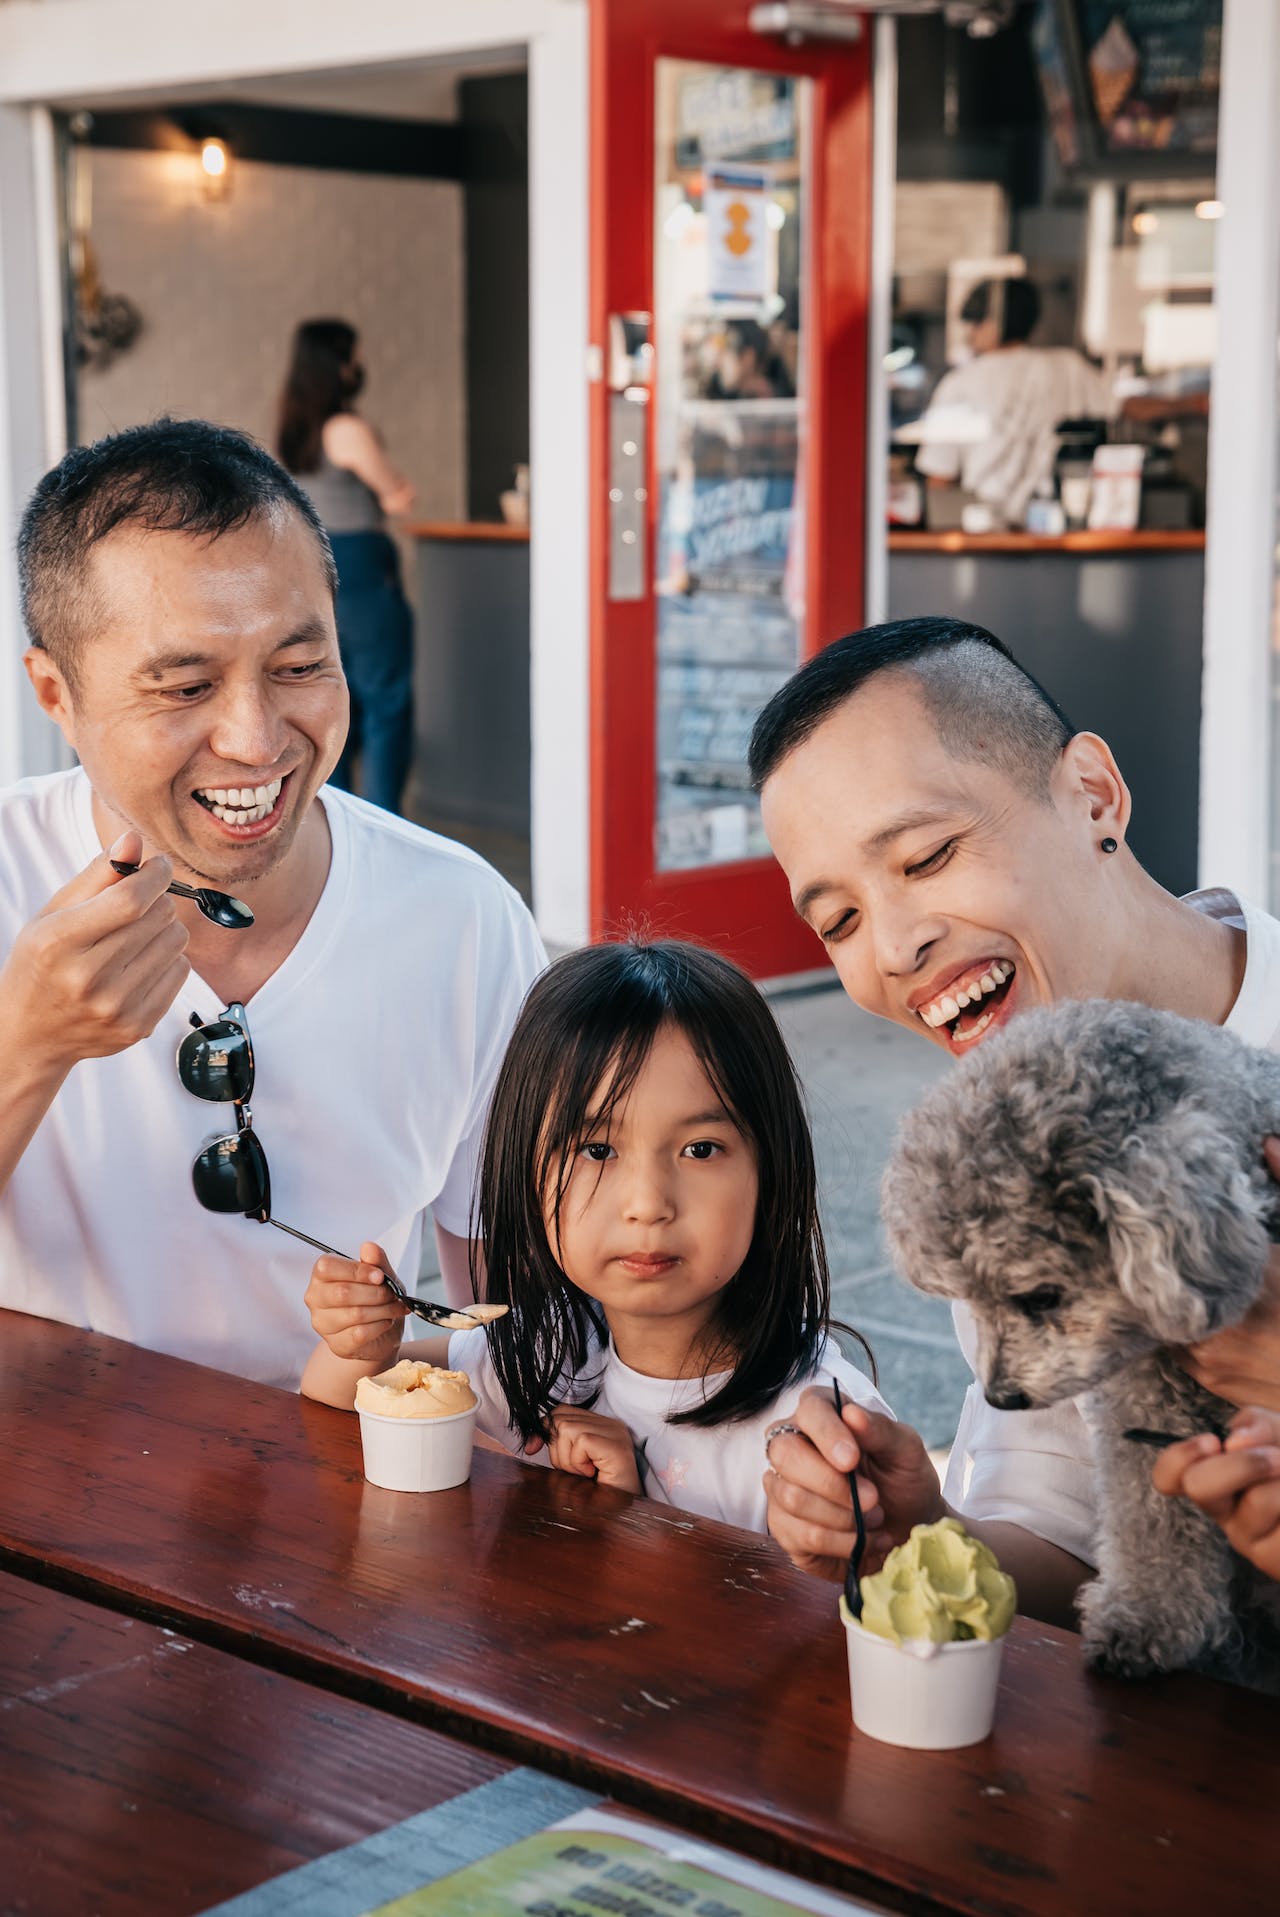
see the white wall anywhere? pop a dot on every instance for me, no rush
(884, 164)
(221, 286)
(558, 451)
(1238, 735)
(30, 419)
(77, 49)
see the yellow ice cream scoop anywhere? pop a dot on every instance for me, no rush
(940, 1586)
(414, 1390)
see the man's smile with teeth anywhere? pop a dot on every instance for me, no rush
(240, 805)
(964, 994)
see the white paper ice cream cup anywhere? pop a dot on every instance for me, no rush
(417, 1454)
(930, 1697)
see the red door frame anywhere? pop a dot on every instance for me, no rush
(744, 909)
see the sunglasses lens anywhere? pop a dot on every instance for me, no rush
(230, 1174)
(217, 1062)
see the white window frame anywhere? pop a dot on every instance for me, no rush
(1237, 736)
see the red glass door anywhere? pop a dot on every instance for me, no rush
(730, 241)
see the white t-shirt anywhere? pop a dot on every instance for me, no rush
(715, 1470)
(376, 1045)
(1035, 1468)
(1002, 409)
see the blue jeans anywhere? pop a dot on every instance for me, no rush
(375, 637)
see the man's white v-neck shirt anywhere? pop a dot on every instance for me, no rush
(376, 1045)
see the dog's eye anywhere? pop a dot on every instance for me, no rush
(1038, 1303)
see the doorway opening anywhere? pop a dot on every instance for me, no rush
(201, 230)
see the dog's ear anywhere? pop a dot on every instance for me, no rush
(1187, 1226)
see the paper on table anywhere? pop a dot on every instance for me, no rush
(596, 1861)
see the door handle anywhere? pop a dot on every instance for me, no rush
(630, 378)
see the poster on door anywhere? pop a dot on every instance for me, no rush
(741, 256)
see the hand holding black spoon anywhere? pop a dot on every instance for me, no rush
(232, 914)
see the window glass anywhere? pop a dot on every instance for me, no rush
(730, 200)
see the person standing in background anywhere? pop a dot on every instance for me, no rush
(747, 365)
(1005, 403)
(340, 462)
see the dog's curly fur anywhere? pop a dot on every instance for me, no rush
(1091, 1183)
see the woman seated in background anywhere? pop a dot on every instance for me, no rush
(339, 460)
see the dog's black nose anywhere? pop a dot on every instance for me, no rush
(1008, 1400)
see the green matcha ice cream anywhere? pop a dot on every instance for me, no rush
(941, 1585)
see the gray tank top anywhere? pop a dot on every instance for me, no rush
(345, 504)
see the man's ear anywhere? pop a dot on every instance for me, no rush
(53, 695)
(1088, 772)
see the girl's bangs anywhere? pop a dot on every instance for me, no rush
(577, 1105)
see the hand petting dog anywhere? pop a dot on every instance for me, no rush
(1242, 1363)
(1235, 1481)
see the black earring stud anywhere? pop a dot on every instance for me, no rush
(1109, 845)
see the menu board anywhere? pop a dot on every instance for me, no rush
(600, 1861)
(1130, 87)
(728, 624)
(1152, 73)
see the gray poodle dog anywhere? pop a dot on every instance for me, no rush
(1091, 1184)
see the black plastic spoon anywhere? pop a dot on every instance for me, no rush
(232, 914)
(852, 1587)
(1138, 1434)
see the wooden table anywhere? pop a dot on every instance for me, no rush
(677, 1664)
(140, 1771)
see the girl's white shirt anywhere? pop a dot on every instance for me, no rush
(714, 1470)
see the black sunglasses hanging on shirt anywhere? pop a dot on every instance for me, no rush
(229, 1173)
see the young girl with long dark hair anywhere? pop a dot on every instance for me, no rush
(649, 1212)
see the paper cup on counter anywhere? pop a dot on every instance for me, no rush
(417, 1454)
(927, 1697)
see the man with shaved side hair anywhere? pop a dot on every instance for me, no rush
(178, 591)
(959, 849)
(984, 707)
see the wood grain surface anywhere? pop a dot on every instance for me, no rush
(466, 529)
(680, 1665)
(140, 1771)
(1082, 541)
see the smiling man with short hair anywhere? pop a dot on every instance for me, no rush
(178, 590)
(960, 851)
